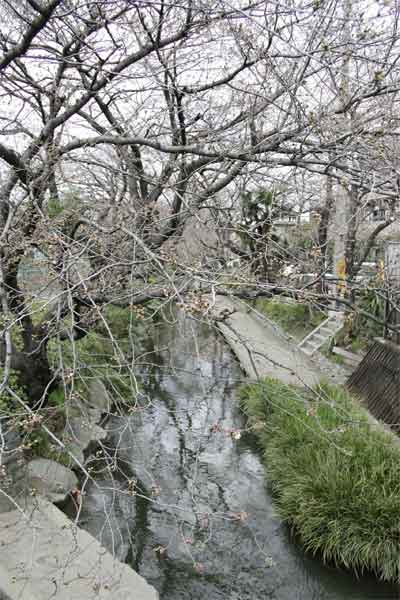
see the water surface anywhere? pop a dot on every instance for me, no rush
(185, 502)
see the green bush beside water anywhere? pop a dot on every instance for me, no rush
(335, 476)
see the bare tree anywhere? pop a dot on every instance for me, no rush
(138, 113)
(131, 130)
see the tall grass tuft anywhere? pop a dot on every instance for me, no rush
(335, 475)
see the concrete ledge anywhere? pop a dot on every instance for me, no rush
(43, 556)
(350, 357)
(260, 349)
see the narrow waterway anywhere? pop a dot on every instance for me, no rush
(185, 503)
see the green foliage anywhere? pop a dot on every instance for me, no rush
(70, 202)
(41, 445)
(57, 398)
(359, 329)
(335, 476)
(35, 439)
(336, 358)
(8, 405)
(251, 199)
(38, 308)
(7, 322)
(94, 356)
(256, 231)
(119, 321)
(296, 319)
(256, 208)
(373, 303)
(38, 442)
(54, 207)
(357, 345)
(106, 351)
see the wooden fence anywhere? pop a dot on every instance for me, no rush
(376, 381)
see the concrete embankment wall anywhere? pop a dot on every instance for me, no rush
(44, 555)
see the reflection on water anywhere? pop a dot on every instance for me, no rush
(186, 503)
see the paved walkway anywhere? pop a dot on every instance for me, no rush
(261, 348)
(44, 556)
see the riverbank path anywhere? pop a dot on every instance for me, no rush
(260, 346)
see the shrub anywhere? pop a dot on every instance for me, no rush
(335, 476)
(362, 328)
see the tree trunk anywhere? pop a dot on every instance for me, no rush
(323, 233)
(29, 352)
(351, 236)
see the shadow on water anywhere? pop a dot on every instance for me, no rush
(190, 509)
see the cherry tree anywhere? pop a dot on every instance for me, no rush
(121, 121)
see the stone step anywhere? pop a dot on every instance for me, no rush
(319, 337)
(310, 344)
(309, 351)
(329, 330)
(46, 556)
(350, 357)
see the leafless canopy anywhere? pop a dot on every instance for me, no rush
(122, 122)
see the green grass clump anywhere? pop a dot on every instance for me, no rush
(296, 319)
(335, 476)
